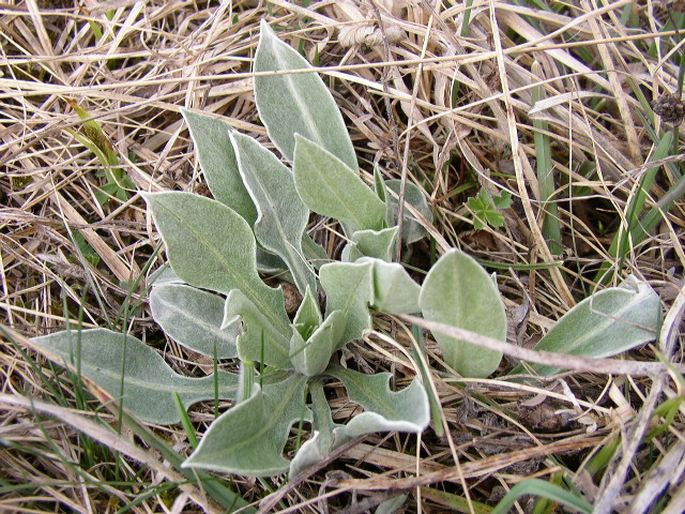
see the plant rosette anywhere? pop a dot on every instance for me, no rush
(212, 299)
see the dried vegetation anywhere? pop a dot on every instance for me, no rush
(446, 96)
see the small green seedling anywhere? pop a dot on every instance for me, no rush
(486, 209)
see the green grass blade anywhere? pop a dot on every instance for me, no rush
(537, 487)
(185, 421)
(623, 240)
(551, 228)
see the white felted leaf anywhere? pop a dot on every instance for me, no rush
(297, 103)
(459, 292)
(149, 383)
(193, 318)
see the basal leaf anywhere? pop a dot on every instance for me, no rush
(297, 103)
(609, 322)
(249, 438)
(394, 290)
(149, 382)
(212, 247)
(459, 292)
(193, 318)
(349, 288)
(329, 187)
(412, 230)
(282, 217)
(218, 162)
(164, 275)
(260, 337)
(406, 410)
(311, 357)
(371, 243)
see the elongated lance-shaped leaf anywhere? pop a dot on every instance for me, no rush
(149, 383)
(212, 247)
(331, 188)
(193, 318)
(218, 162)
(608, 322)
(349, 288)
(249, 438)
(406, 410)
(311, 357)
(371, 243)
(260, 338)
(412, 231)
(290, 103)
(394, 290)
(459, 292)
(282, 217)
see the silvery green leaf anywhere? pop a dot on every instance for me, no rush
(406, 410)
(371, 243)
(260, 337)
(457, 291)
(311, 357)
(606, 323)
(412, 230)
(308, 316)
(395, 292)
(269, 263)
(149, 383)
(193, 318)
(282, 217)
(249, 438)
(164, 275)
(218, 163)
(273, 265)
(291, 103)
(212, 247)
(349, 288)
(329, 187)
(312, 451)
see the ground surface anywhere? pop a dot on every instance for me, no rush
(447, 96)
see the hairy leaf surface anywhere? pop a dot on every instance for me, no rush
(311, 357)
(282, 217)
(349, 288)
(193, 318)
(371, 243)
(459, 292)
(329, 187)
(260, 337)
(149, 383)
(297, 103)
(395, 292)
(412, 230)
(212, 247)
(249, 438)
(611, 321)
(385, 410)
(218, 162)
